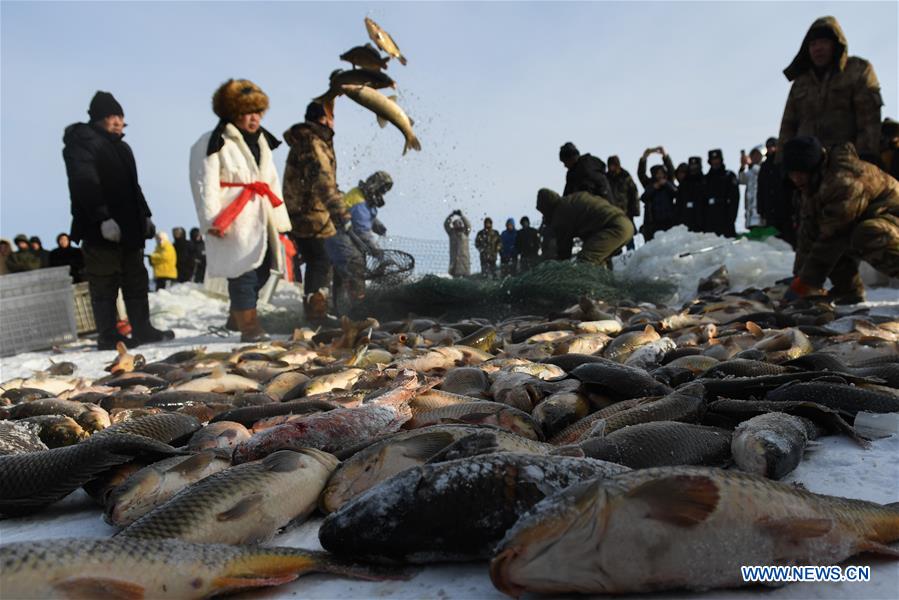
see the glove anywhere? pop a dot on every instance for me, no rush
(346, 226)
(378, 227)
(149, 229)
(110, 231)
(798, 289)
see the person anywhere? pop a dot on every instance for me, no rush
(66, 255)
(458, 229)
(586, 173)
(834, 97)
(527, 245)
(185, 260)
(237, 194)
(775, 196)
(889, 147)
(5, 253)
(624, 191)
(750, 166)
(488, 244)
(691, 196)
(198, 252)
(112, 221)
(24, 258)
(850, 211)
(722, 196)
(37, 248)
(659, 194)
(363, 202)
(680, 174)
(164, 260)
(602, 228)
(508, 257)
(314, 203)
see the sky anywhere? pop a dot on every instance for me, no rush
(494, 89)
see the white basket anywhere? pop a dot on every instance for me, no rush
(37, 321)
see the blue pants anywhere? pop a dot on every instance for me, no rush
(244, 290)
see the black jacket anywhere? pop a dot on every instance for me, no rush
(775, 199)
(70, 257)
(184, 259)
(587, 175)
(103, 185)
(660, 203)
(691, 202)
(527, 242)
(722, 201)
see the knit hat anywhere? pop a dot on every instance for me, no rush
(20, 238)
(103, 105)
(614, 160)
(889, 128)
(568, 151)
(803, 154)
(771, 141)
(238, 97)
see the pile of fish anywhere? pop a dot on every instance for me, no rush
(361, 83)
(603, 449)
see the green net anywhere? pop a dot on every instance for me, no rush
(551, 286)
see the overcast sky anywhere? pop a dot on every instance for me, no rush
(494, 89)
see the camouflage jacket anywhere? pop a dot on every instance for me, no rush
(842, 105)
(624, 193)
(488, 243)
(313, 201)
(848, 190)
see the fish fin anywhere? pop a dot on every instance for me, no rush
(393, 98)
(877, 548)
(754, 330)
(282, 462)
(425, 446)
(197, 462)
(649, 329)
(685, 500)
(85, 588)
(572, 450)
(244, 506)
(382, 122)
(795, 530)
(231, 584)
(218, 371)
(120, 348)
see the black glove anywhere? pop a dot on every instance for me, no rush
(378, 227)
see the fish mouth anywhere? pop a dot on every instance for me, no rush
(500, 572)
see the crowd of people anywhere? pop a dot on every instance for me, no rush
(826, 184)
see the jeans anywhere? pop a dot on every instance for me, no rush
(244, 290)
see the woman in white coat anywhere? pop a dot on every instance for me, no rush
(237, 194)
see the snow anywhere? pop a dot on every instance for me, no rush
(837, 466)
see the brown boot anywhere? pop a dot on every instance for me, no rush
(315, 307)
(250, 329)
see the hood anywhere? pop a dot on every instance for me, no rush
(510, 221)
(547, 201)
(803, 62)
(86, 131)
(293, 135)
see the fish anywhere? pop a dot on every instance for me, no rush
(516, 389)
(820, 361)
(287, 386)
(134, 568)
(686, 404)
(681, 528)
(90, 416)
(220, 381)
(18, 437)
(342, 380)
(151, 486)
(662, 444)
(171, 428)
(771, 445)
(221, 434)
(34, 480)
(263, 371)
(383, 40)
(58, 430)
(466, 381)
(480, 413)
(740, 367)
(560, 410)
(606, 326)
(785, 345)
(626, 343)
(331, 431)
(245, 504)
(124, 362)
(846, 398)
(434, 399)
(759, 386)
(649, 355)
(386, 109)
(483, 339)
(366, 56)
(582, 427)
(618, 381)
(404, 519)
(248, 415)
(716, 283)
(581, 343)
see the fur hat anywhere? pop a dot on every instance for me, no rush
(238, 97)
(716, 153)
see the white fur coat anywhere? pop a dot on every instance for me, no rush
(243, 247)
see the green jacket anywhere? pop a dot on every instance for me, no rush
(842, 105)
(577, 215)
(23, 260)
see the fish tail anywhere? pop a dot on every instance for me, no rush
(272, 566)
(402, 59)
(412, 143)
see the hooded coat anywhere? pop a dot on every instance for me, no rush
(508, 237)
(164, 259)
(588, 175)
(841, 105)
(624, 193)
(256, 228)
(460, 257)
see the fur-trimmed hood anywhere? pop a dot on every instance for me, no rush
(803, 61)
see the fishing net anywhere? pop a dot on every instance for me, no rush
(549, 287)
(390, 267)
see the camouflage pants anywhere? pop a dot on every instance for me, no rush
(600, 246)
(877, 242)
(844, 276)
(488, 264)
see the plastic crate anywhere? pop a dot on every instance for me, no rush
(33, 282)
(84, 312)
(37, 321)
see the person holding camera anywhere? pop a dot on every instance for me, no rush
(458, 228)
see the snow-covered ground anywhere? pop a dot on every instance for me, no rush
(837, 466)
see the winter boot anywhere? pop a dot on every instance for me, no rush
(250, 329)
(142, 331)
(107, 333)
(315, 307)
